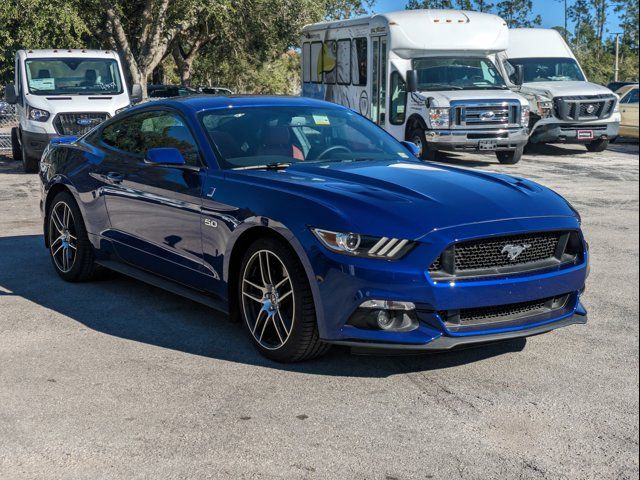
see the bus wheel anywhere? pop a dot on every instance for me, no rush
(418, 137)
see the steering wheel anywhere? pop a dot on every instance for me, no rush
(332, 149)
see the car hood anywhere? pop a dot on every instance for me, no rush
(559, 89)
(409, 199)
(444, 98)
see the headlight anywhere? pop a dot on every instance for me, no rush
(524, 115)
(616, 109)
(38, 115)
(363, 245)
(439, 117)
(123, 109)
(545, 109)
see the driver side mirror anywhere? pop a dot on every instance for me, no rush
(165, 156)
(10, 94)
(412, 81)
(519, 75)
(136, 93)
(412, 147)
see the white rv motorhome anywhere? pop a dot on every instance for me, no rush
(426, 76)
(63, 92)
(565, 107)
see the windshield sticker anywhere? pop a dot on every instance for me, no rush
(321, 120)
(43, 83)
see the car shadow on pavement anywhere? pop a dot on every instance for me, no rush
(132, 310)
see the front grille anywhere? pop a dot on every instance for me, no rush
(515, 313)
(483, 115)
(78, 123)
(507, 254)
(584, 107)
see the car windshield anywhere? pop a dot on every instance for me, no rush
(546, 69)
(457, 73)
(80, 76)
(259, 137)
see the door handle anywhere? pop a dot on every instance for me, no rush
(115, 177)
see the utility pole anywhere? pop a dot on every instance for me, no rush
(616, 70)
(566, 34)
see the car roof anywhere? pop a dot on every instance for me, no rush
(626, 88)
(209, 102)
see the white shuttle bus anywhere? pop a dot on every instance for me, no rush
(62, 92)
(426, 76)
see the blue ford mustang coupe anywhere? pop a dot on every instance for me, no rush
(312, 226)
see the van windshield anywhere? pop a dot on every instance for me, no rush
(546, 69)
(67, 76)
(457, 73)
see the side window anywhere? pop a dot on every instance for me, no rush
(329, 61)
(359, 62)
(306, 62)
(631, 97)
(117, 134)
(315, 60)
(398, 99)
(344, 62)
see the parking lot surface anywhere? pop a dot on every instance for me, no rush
(116, 379)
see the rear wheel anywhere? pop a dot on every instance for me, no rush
(69, 246)
(510, 157)
(598, 145)
(276, 303)
(15, 144)
(418, 137)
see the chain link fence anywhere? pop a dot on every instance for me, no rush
(8, 120)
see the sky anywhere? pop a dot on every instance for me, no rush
(551, 11)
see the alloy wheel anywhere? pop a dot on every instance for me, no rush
(268, 299)
(63, 240)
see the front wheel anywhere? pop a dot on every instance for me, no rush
(70, 250)
(418, 137)
(510, 157)
(16, 150)
(598, 145)
(29, 164)
(276, 303)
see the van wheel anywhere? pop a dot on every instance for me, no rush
(418, 137)
(276, 303)
(15, 144)
(598, 145)
(510, 157)
(29, 164)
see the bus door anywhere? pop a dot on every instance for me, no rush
(379, 79)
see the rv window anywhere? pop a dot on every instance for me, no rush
(344, 62)
(315, 59)
(359, 62)
(306, 62)
(398, 99)
(329, 61)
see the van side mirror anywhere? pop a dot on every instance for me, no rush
(136, 93)
(411, 147)
(412, 81)
(165, 156)
(10, 94)
(519, 75)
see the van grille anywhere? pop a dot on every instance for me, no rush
(483, 115)
(584, 107)
(78, 123)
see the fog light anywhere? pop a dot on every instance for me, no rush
(388, 315)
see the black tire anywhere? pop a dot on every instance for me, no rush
(84, 267)
(302, 341)
(15, 144)
(29, 164)
(417, 136)
(510, 157)
(598, 145)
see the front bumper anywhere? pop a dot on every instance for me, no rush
(506, 139)
(344, 283)
(558, 132)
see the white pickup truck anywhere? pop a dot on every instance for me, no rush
(565, 107)
(62, 92)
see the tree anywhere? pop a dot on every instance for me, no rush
(518, 13)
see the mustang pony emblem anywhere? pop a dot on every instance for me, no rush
(514, 251)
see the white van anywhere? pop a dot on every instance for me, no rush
(426, 76)
(63, 92)
(565, 107)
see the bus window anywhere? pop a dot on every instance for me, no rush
(329, 53)
(398, 99)
(306, 62)
(315, 61)
(359, 62)
(344, 62)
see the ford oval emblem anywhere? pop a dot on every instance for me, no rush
(85, 122)
(487, 115)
